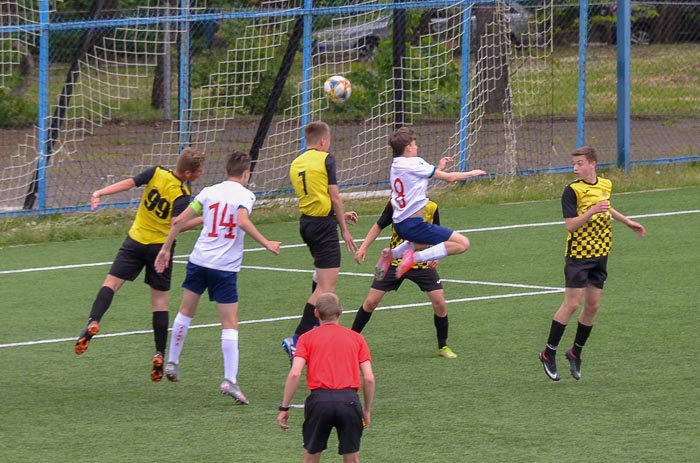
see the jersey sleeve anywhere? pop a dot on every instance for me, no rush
(424, 169)
(385, 219)
(364, 354)
(568, 203)
(331, 170)
(248, 202)
(180, 204)
(145, 176)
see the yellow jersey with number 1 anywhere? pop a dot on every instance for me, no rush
(309, 178)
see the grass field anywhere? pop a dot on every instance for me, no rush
(637, 400)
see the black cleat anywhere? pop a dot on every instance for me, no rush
(550, 367)
(574, 364)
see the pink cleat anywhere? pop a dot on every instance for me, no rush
(407, 262)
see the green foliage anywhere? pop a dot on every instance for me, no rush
(15, 111)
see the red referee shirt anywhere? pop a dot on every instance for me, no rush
(333, 354)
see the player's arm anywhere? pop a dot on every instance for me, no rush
(383, 222)
(123, 185)
(290, 387)
(637, 227)
(372, 235)
(337, 204)
(452, 177)
(176, 226)
(368, 386)
(569, 206)
(248, 227)
(179, 206)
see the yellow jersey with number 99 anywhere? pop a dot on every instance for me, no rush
(152, 221)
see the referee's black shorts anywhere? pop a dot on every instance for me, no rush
(325, 409)
(321, 236)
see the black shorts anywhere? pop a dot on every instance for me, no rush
(325, 409)
(321, 236)
(427, 280)
(134, 257)
(579, 273)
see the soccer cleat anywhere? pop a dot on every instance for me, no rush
(407, 261)
(233, 390)
(172, 372)
(83, 341)
(574, 364)
(447, 353)
(289, 347)
(157, 370)
(550, 367)
(383, 264)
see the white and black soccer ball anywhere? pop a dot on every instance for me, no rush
(337, 89)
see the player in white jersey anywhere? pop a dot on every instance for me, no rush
(214, 264)
(410, 175)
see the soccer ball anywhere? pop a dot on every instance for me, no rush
(337, 89)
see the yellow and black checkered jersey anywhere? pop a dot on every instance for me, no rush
(311, 173)
(430, 214)
(165, 196)
(593, 239)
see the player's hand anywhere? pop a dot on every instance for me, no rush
(638, 228)
(349, 241)
(477, 172)
(601, 206)
(366, 419)
(273, 247)
(350, 217)
(444, 161)
(162, 261)
(94, 201)
(283, 420)
(433, 264)
(360, 255)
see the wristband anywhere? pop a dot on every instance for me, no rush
(283, 409)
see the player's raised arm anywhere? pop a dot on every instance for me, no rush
(176, 226)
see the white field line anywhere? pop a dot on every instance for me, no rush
(290, 246)
(543, 289)
(294, 317)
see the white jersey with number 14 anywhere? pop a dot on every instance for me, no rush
(220, 244)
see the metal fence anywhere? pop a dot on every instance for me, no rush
(92, 96)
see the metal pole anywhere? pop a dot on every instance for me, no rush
(464, 103)
(623, 84)
(582, 55)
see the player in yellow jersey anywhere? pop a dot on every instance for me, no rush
(166, 195)
(587, 214)
(313, 176)
(423, 274)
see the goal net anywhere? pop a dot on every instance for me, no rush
(117, 105)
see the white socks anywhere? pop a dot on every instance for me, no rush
(436, 252)
(229, 347)
(177, 338)
(398, 251)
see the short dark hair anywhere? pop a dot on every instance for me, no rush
(316, 130)
(328, 306)
(400, 139)
(588, 151)
(237, 163)
(190, 159)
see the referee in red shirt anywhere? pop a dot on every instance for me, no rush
(335, 356)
